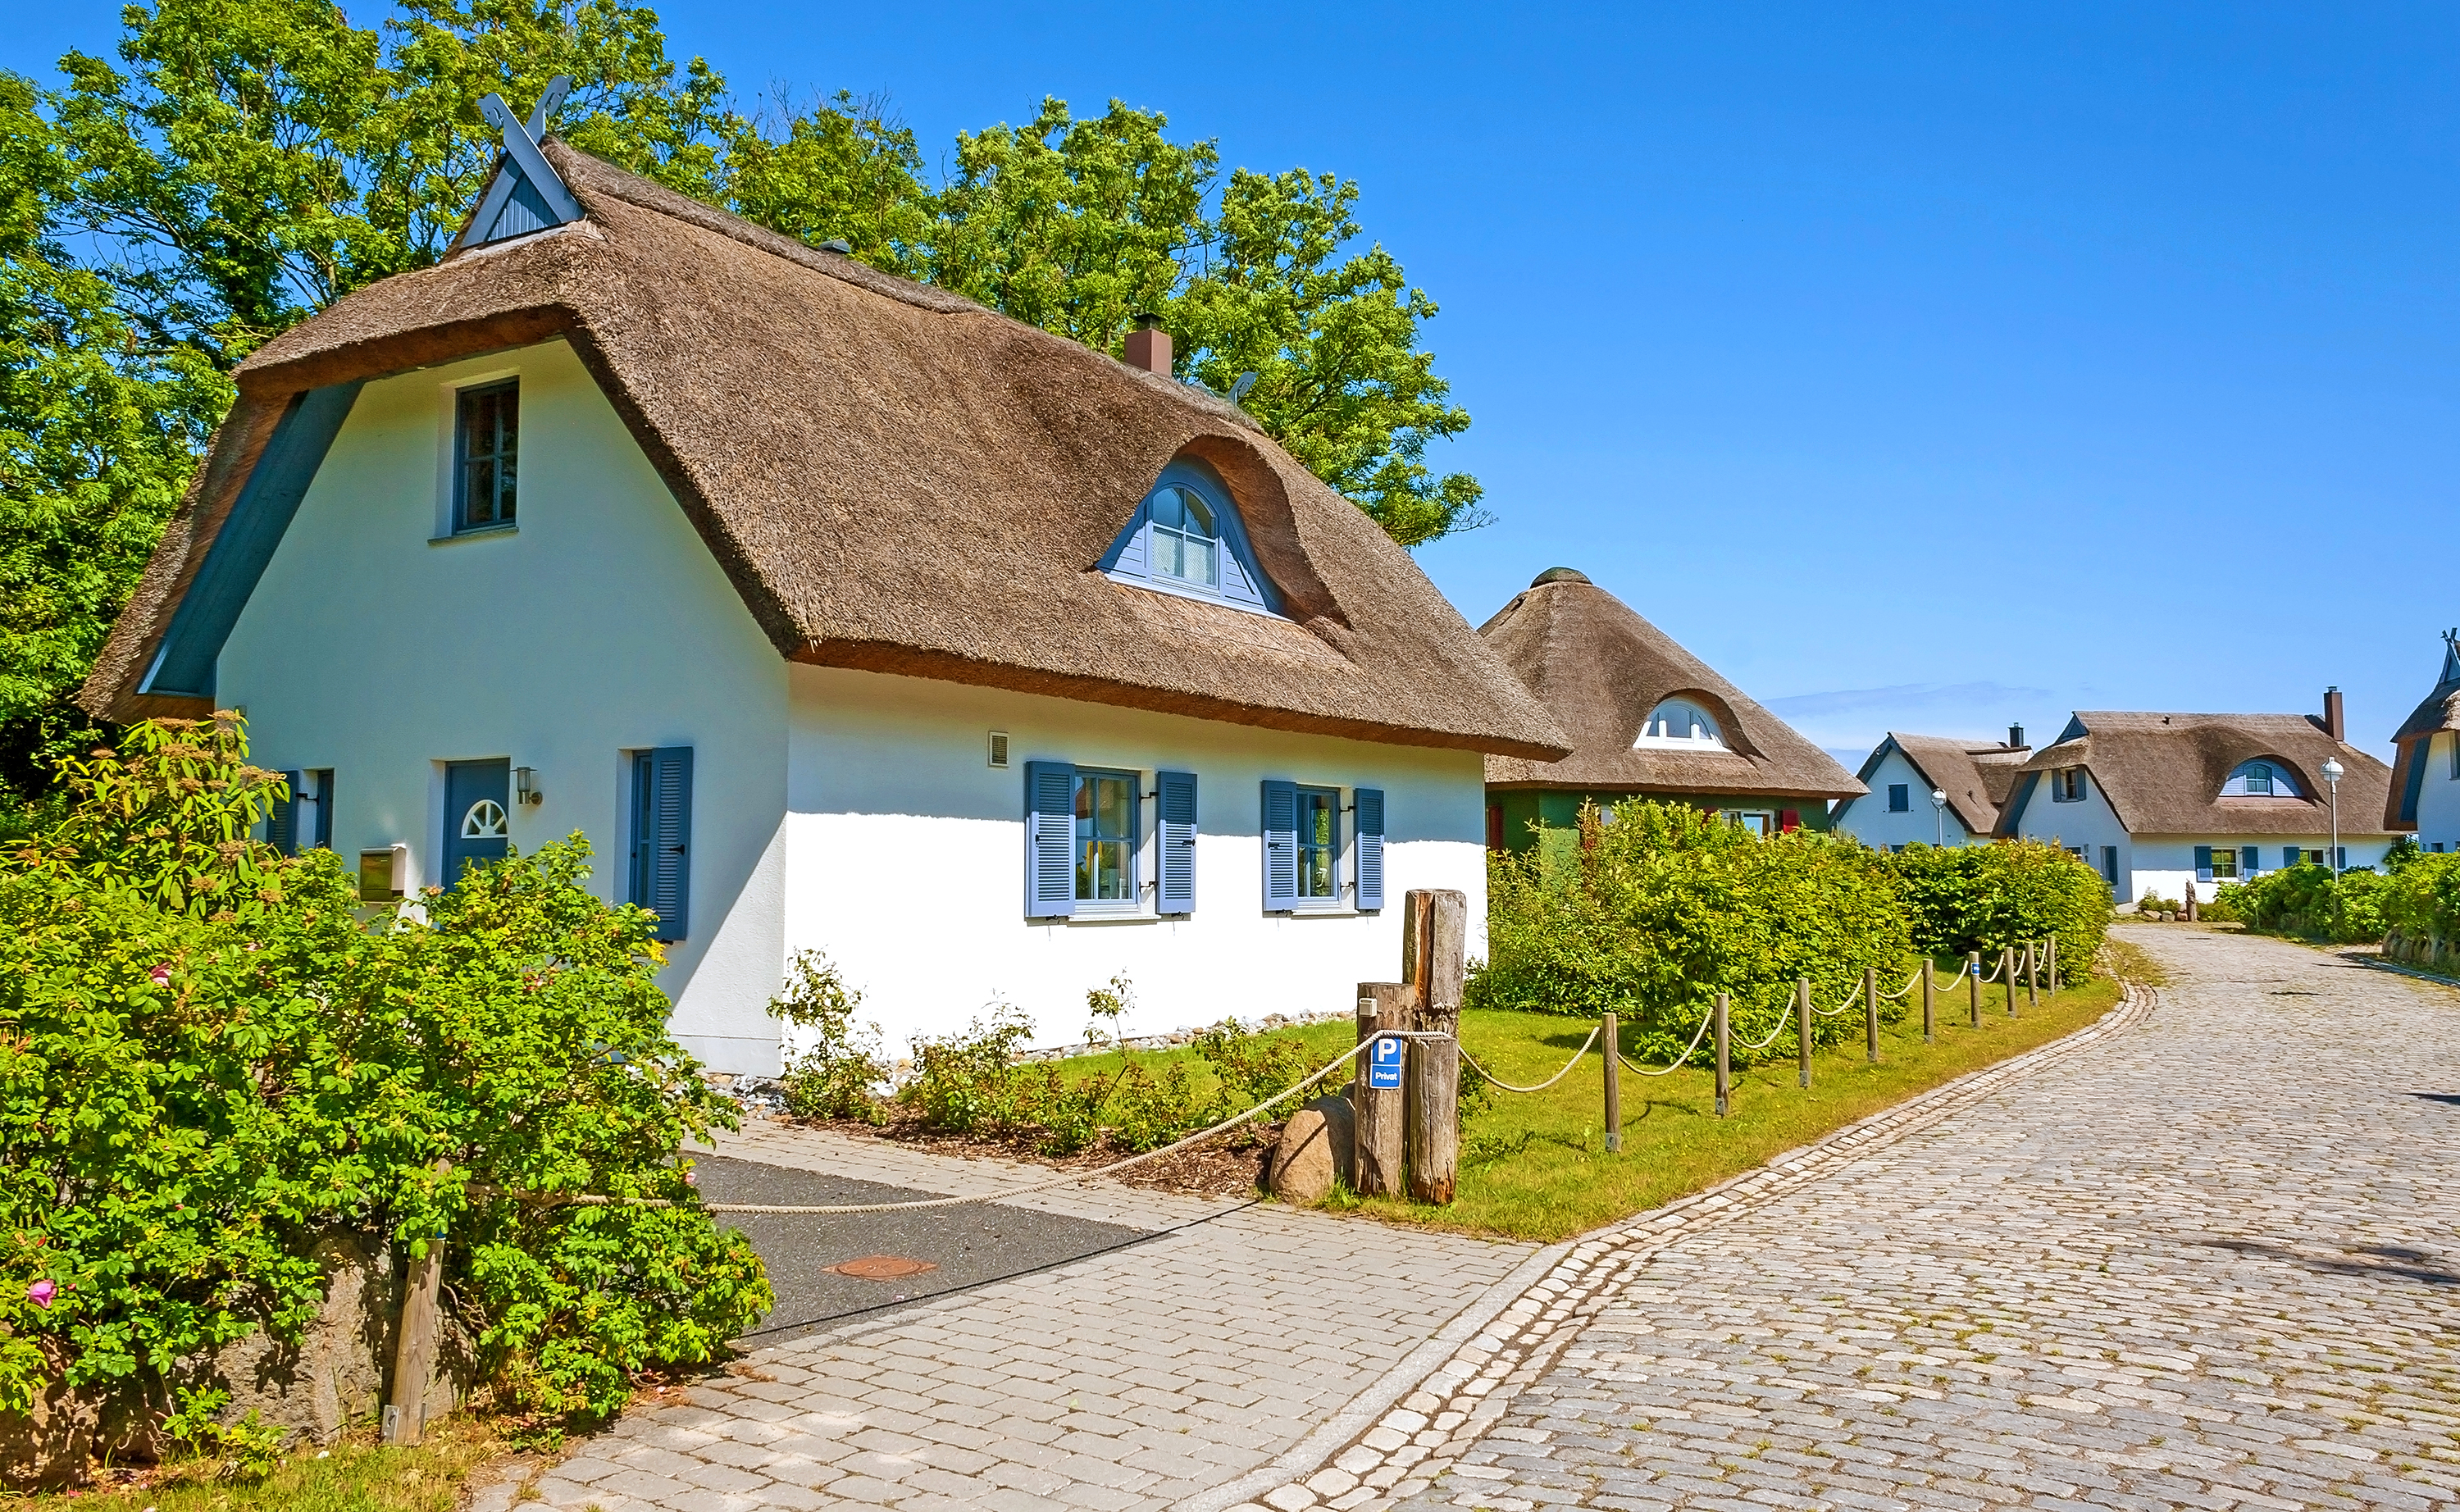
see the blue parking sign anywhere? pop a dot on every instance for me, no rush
(1384, 1063)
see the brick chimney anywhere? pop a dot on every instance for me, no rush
(2333, 724)
(1149, 346)
(2016, 735)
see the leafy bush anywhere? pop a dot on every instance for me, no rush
(2421, 902)
(2154, 902)
(1657, 912)
(837, 1069)
(1988, 898)
(211, 1057)
(2305, 901)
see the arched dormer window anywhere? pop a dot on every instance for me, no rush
(1679, 724)
(2262, 778)
(1187, 538)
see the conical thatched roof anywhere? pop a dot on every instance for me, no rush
(2439, 711)
(896, 479)
(1599, 670)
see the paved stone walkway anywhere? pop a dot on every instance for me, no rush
(1147, 1377)
(2210, 1262)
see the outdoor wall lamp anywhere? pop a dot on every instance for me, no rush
(525, 786)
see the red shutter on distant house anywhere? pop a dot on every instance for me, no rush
(1494, 826)
(1788, 821)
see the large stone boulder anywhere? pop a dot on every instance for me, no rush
(1317, 1146)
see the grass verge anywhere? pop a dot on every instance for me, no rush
(357, 1475)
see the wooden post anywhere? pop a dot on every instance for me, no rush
(1973, 983)
(1724, 1059)
(1870, 1012)
(1802, 1027)
(2007, 974)
(2032, 974)
(1434, 957)
(1930, 1004)
(2053, 972)
(414, 1346)
(1613, 1085)
(1381, 1119)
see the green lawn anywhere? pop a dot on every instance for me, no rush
(356, 1475)
(1535, 1167)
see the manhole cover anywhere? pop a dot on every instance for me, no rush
(883, 1267)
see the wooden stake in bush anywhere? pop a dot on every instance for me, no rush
(1930, 1005)
(2007, 972)
(1614, 1086)
(1973, 983)
(1434, 958)
(1802, 1027)
(2032, 975)
(1381, 1118)
(2053, 973)
(1725, 1060)
(414, 1344)
(1870, 1012)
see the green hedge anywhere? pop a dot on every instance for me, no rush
(211, 1055)
(2307, 902)
(1989, 897)
(2420, 910)
(1654, 913)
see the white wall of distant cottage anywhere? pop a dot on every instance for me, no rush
(2438, 795)
(1867, 817)
(601, 626)
(905, 859)
(2161, 863)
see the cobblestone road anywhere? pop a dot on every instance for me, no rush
(2208, 1263)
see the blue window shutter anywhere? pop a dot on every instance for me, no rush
(1370, 849)
(668, 864)
(1175, 892)
(282, 825)
(323, 838)
(1280, 829)
(2289, 855)
(2250, 861)
(1049, 840)
(2203, 863)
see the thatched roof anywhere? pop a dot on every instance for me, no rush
(1600, 669)
(898, 479)
(2439, 711)
(2163, 773)
(1977, 778)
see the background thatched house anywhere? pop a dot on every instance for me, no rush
(840, 613)
(1905, 770)
(2162, 803)
(1646, 718)
(2424, 789)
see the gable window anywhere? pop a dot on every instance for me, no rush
(1901, 798)
(1681, 724)
(2067, 784)
(2262, 779)
(1186, 539)
(486, 449)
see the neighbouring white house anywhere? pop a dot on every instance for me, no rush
(2162, 803)
(2424, 794)
(1932, 790)
(837, 612)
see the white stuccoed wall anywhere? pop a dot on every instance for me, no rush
(905, 857)
(602, 625)
(1867, 817)
(2438, 797)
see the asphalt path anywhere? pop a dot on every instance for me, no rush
(968, 1246)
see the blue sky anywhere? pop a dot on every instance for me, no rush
(1928, 368)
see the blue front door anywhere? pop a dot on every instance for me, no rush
(478, 820)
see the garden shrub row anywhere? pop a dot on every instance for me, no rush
(1660, 906)
(211, 1057)
(2414, 902)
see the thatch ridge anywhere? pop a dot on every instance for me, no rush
(2162, 773)
(1599, 668)
(902, 480)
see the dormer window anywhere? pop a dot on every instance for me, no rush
(1682, 725)
(1187, 540)
(2262, 779)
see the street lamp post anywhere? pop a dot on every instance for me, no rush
(2332, 770)
(1938, 802)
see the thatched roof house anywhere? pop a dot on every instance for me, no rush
(1903, 770)
(2424, 793)
(838, 612)
(820, 420)
(1645, 716)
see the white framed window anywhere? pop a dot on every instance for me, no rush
(1319, 836)
(1680, 724)
(1105, 806)
(1759, 821)
(2067, 784)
